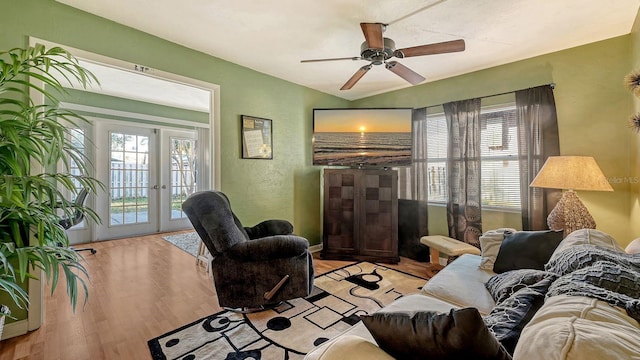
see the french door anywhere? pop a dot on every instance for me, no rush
(147, 174)
(179, 164)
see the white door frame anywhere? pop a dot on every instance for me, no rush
(214, 90)
(36, 296)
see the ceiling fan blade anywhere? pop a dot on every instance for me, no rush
(404, 72)
(331, 59)
(373, 34)
(430, 49)
(357, 76)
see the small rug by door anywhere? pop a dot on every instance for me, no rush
(189, 242)
(296, 326)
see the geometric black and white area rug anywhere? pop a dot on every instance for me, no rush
(296, 326)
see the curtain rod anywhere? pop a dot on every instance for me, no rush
(552, 85)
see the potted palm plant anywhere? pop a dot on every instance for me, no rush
(36, 141)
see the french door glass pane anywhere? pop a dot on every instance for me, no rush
(183, 173)
(129, 176)
(77, 139)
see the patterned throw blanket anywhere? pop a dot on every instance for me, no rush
(596, 272)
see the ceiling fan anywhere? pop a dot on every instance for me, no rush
(378, 50)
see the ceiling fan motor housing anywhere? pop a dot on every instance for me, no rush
(378, 56)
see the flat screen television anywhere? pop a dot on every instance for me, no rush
(372, 137)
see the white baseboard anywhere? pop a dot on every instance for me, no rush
(14, 329)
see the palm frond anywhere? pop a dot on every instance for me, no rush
(31, 203)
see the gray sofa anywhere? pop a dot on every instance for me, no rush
(565, 327)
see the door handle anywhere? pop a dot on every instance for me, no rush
(156, 187)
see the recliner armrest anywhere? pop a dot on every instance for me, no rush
(269, 228)
(272, 247)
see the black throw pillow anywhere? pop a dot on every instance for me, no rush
(460, 334)
(526, 250)
(509, 317)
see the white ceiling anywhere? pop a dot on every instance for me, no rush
(273, 36)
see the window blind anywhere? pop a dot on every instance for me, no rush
(500, 174)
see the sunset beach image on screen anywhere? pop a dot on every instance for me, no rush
(362, 137)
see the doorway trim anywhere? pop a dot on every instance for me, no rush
(36, 287)
(214, 90)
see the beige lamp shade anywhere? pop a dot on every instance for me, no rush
(571, 172)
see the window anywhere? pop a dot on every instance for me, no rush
(78, 142)
(78, 139)
(500, 174)
(183, 173)
(437, 157)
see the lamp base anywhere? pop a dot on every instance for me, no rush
(570, 214)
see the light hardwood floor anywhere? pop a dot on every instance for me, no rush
(140, 288)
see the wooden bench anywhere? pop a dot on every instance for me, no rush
(451, 247)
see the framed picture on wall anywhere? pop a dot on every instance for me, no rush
(256, 137)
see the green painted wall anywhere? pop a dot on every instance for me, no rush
(286, 187)
(592, 109)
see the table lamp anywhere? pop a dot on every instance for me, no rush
(571, 173)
